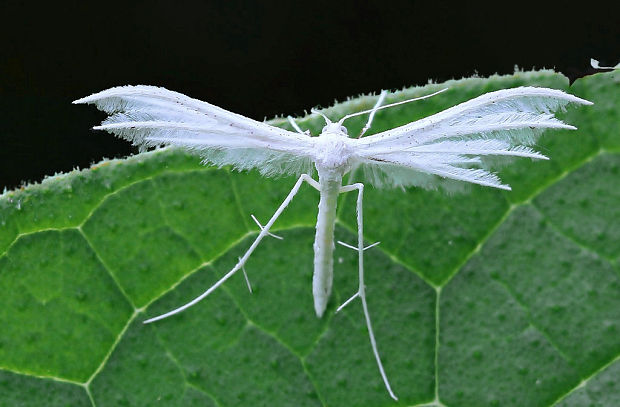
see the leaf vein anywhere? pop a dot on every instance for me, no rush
(111, 350)
(531, 322)
(170, 355)
(579, 244)
(233, 186)
(515, 206)
(584, 382)
(107, 268)
(274, 336)
(167, 222)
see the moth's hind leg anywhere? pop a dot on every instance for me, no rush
(361, 292)
(264, 232)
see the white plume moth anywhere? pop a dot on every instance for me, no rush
(450, 145)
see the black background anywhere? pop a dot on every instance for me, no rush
(258, 59)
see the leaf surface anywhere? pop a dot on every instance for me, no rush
(485, 298)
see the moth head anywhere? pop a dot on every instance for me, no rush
(335, 128)
(331, 127)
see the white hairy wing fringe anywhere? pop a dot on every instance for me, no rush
(149, 116)
(501, 123)
(268, 164)
(435, 176)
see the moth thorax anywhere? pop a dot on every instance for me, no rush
(332, 150)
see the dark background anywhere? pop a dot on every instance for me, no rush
(258, 59)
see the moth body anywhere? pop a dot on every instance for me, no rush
(333, 154)
(330, 181)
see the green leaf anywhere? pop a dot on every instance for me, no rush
(486, 298)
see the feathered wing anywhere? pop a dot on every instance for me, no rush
(150, 116)
(452, 143)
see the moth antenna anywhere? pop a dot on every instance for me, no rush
(391, 105)
(372, 112)
(327, 121)
(295, 126)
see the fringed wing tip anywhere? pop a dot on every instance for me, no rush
(91, 98)
(534, 155)
(114, 91)
(575, 99)
(81, 100)
(582, 101)
(94, 97)
(556, 93)
(504, 187)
